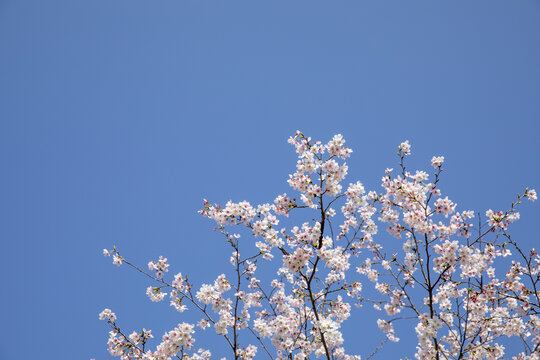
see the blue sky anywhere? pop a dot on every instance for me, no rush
(118, 117)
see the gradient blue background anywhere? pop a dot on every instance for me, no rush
(117, 117)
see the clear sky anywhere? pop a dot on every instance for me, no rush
(117, 117)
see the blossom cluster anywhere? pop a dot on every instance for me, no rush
(437, 270)
(161, 266)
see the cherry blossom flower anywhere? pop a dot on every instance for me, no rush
(107, 314)
(531, 194)
(405, 147)
(437, 161)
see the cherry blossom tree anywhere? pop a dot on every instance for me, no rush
(467, 287)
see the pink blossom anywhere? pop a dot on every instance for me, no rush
(405, 147)
(437, 161)
(531, 195)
